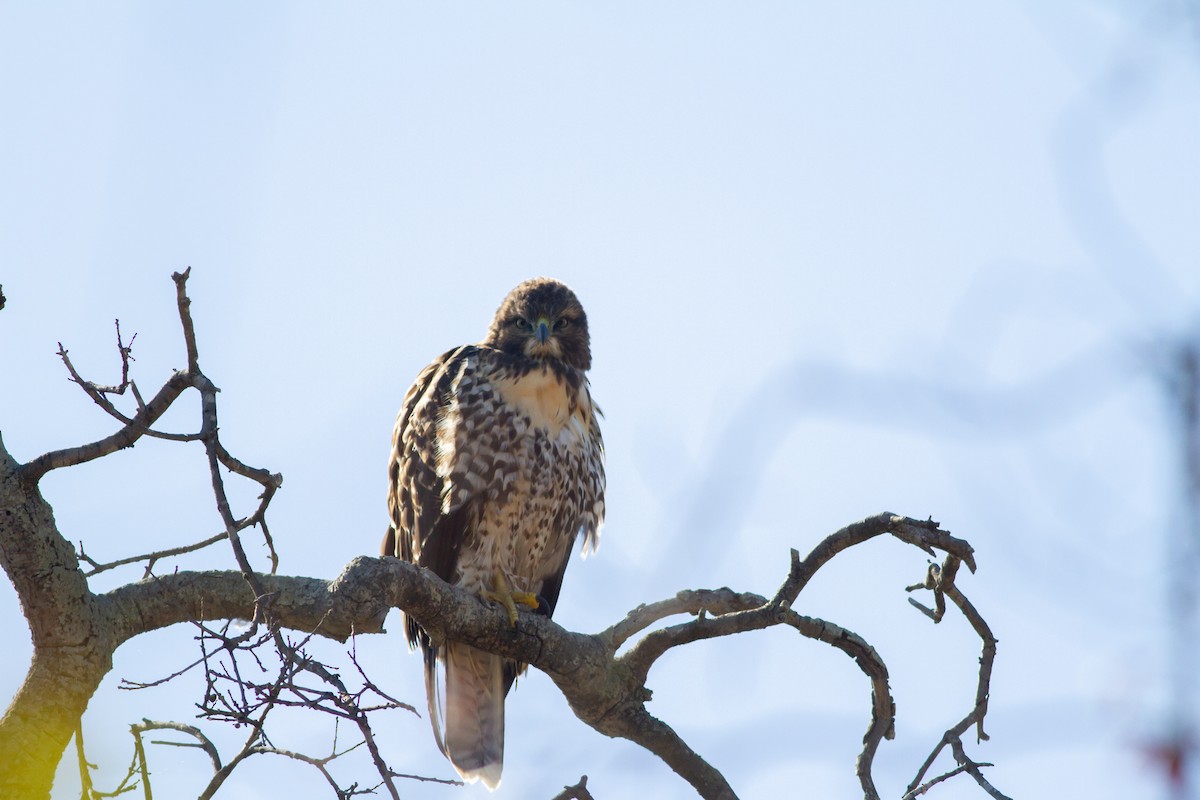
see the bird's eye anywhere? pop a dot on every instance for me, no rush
(562, 324)
(521, 324)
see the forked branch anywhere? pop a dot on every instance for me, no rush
(940, 579)
(723, 612)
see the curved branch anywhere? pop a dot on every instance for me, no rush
(745, 612)
(726, 602)
(692, 601)
(98, 567)
(924, 534)
(638, 725)
(746, 617)
(940, 579)
(202, 741)
(883, 706)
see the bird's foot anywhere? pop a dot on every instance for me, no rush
(502, 593)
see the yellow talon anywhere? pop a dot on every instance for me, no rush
(503, 594)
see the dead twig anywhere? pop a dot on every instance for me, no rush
(940, 579)
(150, 558)
(723, 613)
(577, 792)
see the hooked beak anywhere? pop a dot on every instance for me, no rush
(541, 331)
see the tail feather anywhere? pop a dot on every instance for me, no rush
(473, 724)
(433, 695)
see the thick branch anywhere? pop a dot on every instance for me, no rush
(633, 722)
(71, 653)
(357, 601)
(335, 609)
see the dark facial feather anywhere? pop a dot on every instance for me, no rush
(516, 321)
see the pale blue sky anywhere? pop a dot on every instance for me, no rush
(837, 259)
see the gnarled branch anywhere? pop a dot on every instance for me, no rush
(606, 689)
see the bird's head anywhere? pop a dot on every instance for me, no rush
(542, 319)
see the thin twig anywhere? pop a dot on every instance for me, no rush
(99, 393)
(925, 787)
(143, 767)
(940, 579)
(85, 774)
(126, 352)
(126, 437)
(202, 741)
(577, 792)
(184, 304)
(98, 567)
(425, 778)
(129, 685)
(972, 769)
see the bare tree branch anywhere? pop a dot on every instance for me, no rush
(605, 690)
(126, 437)
(99, 393)
(577, 792)
(126, 352)
(940, 580)
(85, 775)
(972, 769)
(925, 787)
(184, 304)
(720, 601)
(202, 742)
(150, 558)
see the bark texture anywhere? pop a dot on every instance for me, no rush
(72, 646)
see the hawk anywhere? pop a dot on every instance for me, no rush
(497, 466)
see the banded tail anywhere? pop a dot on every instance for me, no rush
(469, 728)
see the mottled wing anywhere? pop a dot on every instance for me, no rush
(450, 455)
(421, 532)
